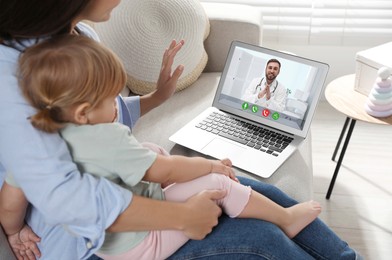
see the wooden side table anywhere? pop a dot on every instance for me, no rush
(341, 95)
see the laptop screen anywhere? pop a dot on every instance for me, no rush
(270, 87)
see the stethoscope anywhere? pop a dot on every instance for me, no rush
(261, 81)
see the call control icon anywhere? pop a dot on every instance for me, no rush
(265, 112)
(245, 106)
(275, 116)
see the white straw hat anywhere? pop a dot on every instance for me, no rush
(139, 31)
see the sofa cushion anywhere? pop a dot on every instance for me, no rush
(140, 31)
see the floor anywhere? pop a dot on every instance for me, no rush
(360, 207)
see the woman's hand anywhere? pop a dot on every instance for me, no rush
(224, 167)
(203, 213)
(24, 244)
(167, 81)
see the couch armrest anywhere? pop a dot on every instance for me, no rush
(230, 22)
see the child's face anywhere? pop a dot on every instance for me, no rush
(106, 112)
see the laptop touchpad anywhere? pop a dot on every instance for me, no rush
(221, 149)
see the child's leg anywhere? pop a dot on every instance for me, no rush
(233, 203)
(291, 220)
(155, 148)
(243, 202)
(240, 201)
(162, 244)
(157, 245)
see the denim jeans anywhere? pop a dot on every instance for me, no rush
(256, 239)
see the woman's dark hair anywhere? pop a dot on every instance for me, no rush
(26, 19)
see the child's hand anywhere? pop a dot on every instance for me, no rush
(224, 167)
(24, 244)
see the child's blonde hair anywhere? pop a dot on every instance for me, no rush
(61, 72)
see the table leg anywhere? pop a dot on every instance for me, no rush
(340, 138)
(341, 156)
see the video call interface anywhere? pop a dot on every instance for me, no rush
(290, 92)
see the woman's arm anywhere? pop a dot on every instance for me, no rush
(175, 168)
(196, 217)
(13, 205)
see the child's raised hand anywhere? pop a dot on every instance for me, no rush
(224, 167)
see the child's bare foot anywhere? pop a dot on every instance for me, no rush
(302, 215)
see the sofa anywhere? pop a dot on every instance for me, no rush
(227, 22)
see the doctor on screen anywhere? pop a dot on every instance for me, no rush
(267, 91)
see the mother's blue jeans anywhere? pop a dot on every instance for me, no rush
(255, 239)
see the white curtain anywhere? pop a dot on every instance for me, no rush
(324, 22)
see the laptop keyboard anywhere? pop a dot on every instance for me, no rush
(244, 133)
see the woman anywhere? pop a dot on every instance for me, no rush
(70, 213)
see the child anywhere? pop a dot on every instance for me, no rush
(73, 83)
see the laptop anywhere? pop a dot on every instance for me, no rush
(257, 134)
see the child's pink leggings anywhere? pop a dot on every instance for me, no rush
(162, 244)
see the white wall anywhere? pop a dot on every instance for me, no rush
(332, 47)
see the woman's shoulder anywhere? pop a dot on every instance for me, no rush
(87, 30)
(7, 55)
